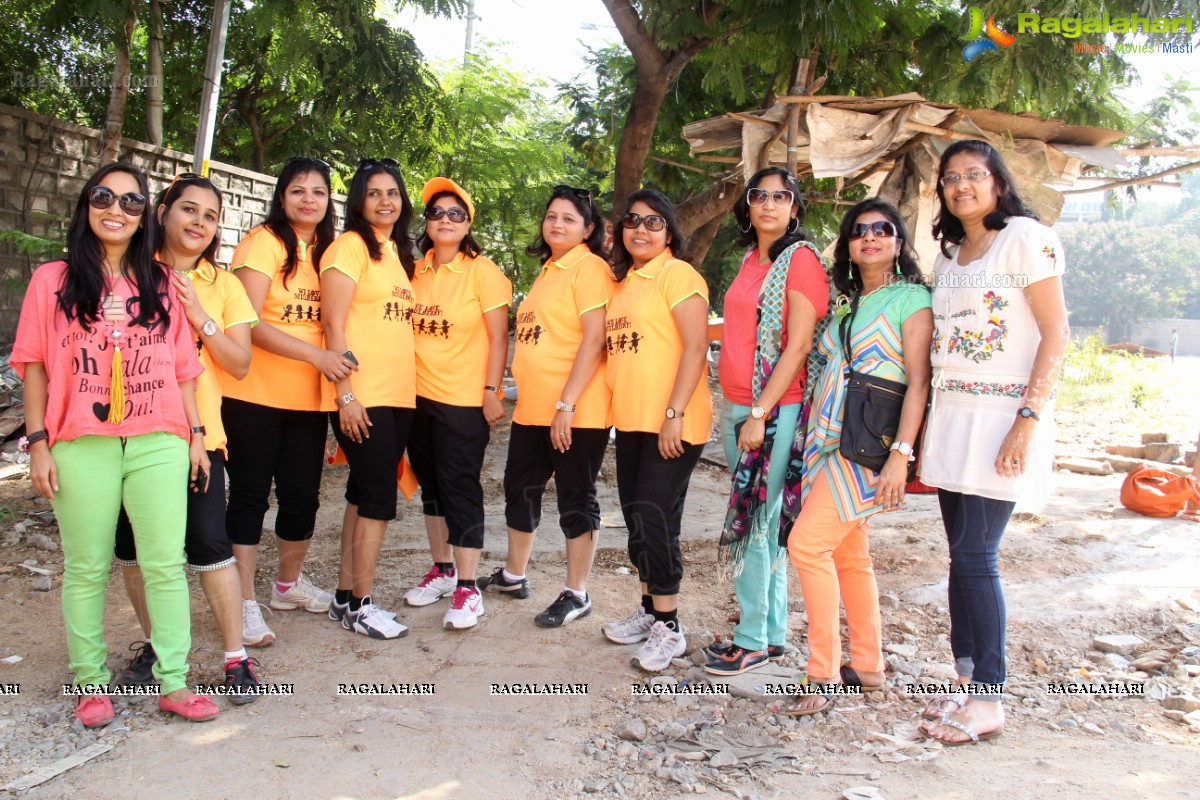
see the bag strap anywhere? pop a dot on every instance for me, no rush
(846, 327)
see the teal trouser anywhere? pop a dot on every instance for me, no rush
(148, 474)
(762, 593)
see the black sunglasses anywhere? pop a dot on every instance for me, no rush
(454, 214)
(132, 203)
(317, 162)
(881, 228)
(368, 163)
(562, 188)
(653, 222)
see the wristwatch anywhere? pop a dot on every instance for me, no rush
(758, 412)
(31, 439)
(561, 406)
(673, 414)
(209, 328)
(1028, 413)
(199, 429)
(905, 450)
(344, 400)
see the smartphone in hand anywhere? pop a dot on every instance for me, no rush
(200, 484)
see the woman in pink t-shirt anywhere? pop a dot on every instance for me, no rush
(770, 312)
(109, 367)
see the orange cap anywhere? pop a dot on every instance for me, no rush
(435, 185)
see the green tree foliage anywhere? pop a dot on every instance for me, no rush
(1120, 273)
(502, 140)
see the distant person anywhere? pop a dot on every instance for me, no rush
(1174, 345)
(662, 410)
(560, 426)
(989, 440)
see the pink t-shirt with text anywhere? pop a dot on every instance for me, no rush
(736, 366)
(79, 364)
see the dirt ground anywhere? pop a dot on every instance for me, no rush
(1085, 567)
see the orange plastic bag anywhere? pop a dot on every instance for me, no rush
(1158, 493)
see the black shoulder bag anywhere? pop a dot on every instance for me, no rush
(871, 413)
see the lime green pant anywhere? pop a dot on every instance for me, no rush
(148, 474)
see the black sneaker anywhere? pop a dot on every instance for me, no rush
(566, 608)
(775, 652)
(241, 681)
(496, 582)
(140, 671)
(735, 661)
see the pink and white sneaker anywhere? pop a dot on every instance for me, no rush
(465, 609)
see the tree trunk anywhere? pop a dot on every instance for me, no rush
(637, 137)
(699, 244)
(154, 83)
(114, 120)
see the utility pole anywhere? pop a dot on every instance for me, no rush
(212, 86)
(471, 17)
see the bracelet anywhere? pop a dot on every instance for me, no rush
(31, 439)
(343, 400)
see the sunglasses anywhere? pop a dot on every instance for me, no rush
(972, 176)
(368, 163)
(562, 188)
(454, 214)
(183, 176)
(653, 222)
(879, 229)
(102, 197)
(779, 197)
(316, 162)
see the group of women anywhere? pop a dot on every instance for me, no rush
(145, 362)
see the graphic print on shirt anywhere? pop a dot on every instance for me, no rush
(401, 310)
(623, 342)
(980, 344)
(303, 312)
(91, 367)
(431, 322)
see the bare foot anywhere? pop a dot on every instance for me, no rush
(811, 703)
(946, 702)
(984, 718)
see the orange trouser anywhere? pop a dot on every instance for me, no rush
(833, 559)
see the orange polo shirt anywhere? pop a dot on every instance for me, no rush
(294, 309)
(379, 325)
(223, 298)
(451, 336)
(549, 331)
(644, 349)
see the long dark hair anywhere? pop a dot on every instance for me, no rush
(741, 212)
(83, 285)
(357, 223)
(468, 246)
(846, 277)
(277, 221)
(587, 209)
(947, 228)
(677, 243)
(169, 196)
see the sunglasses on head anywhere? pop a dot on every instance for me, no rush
(368, 163)
(454, 214)
(779, 197)
(653, 222)
(315, 162)
(880, 228)
(102, 197)
(186, 177)
(562, 188)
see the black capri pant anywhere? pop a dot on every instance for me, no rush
(205, 542)
(268, 443)
(373, 462)
(446, 450)
(531, 462)
(652, 491)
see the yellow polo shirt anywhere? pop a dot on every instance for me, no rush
(549, 332)
(379, 325)
(451, 339)
(644, 349)
(223, 298)
(294, 309)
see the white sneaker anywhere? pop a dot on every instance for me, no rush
(663, 645)
(465, 609)
(255, 632)
(631, 630)
(373, 621)
(302, 595)
(433, 587)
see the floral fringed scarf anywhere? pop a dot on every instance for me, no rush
(749, 490)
